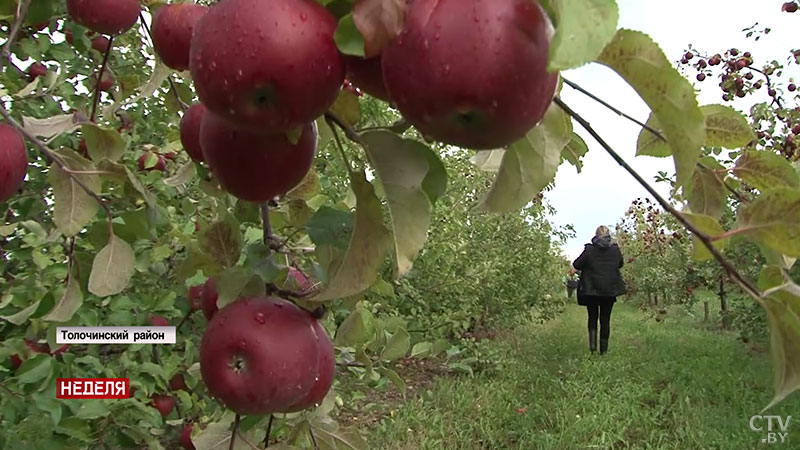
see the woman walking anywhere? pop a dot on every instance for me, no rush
(600, 284)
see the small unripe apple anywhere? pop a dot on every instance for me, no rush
(163, 403)
(190, 131)
(104, 16)
(13, 161)
(701, 76)
(36, 70)
(172, 30)
(792, 87)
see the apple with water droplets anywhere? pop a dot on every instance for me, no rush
(105, 16)
(472, 73)
(173, 26)
(326, 371)
(266, 65)
(260, 355)
(253, 166)
(190, 131)
(13, 161)
(367, 75)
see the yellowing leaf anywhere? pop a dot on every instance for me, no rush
(74, 207)
(584, 28)
(575, 149)
(223, 241)
(405, 168)
(70, 301)
(773, 219)
(397, 346)
(367, 249)
(379, 21)
(530, 164)
(709, 226)
(766, 170)
(706, 193)
(669, 95)
(726, 127)
(112, 268)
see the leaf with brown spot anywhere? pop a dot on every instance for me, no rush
(379, 21)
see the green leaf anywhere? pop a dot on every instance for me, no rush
(726, 127)
(217, 436)
(347, 108)
(347, 37)
(92, 409)
(357, 328)
(368, 244)
(112, 268)
(73, 208)
(766, 170)
(238, 282)
(783, 314)
(403, 167)
(183, 176)
(223, 241)
(75, 427)
(440, 345)
(575, 149)
(308, 187)
(331, 437)
(103, 143)
(530, 164)
(35, 369)
(395, 379)
(421, 349)
(706, 193)
(331, 226)
(22, 315)
(773, 219)
(584, 28)
(70, 301)
(40, 11)
(669, 95)
(488, 160)
(649, 144)
(51, 126)
(709, 226)
(397, 346)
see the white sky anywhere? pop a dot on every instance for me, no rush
(603, 191)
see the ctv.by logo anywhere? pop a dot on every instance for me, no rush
(772, 437)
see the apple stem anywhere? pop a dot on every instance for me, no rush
(96, 100)
(21, 13)
(655, 132)
(172, 88)
(269, 431)
(330, 119)
(235, 430)
(737, 277)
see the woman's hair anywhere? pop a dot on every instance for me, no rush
(602, 230)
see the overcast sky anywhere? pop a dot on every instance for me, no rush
(602, 193)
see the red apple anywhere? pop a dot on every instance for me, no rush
(177, 383)
(13, 161)
(325, 372)
(106, 81)
(37, 347)
(158, 321)
(163, 403)
(172, 30)
(472, 73)
(266, 65)
(195, 296)
(161, 163)
(82, 149)
(252, 166)
(101, 44)
(260, 355)
(367, 75)
(186, 437)
(210, 297)
(104, 16)
(61, 349)
(190, 131)
(16, 361)
(37, 70)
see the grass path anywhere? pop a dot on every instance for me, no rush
(667, 385)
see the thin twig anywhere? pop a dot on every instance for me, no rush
(96, 100)
(398, 127)
(172, 87)
(652, 130)
(269, 430)
(264, 207)
(21, 13)
(234, 432)
(330, 119)
(734, 274)
(313, 439)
